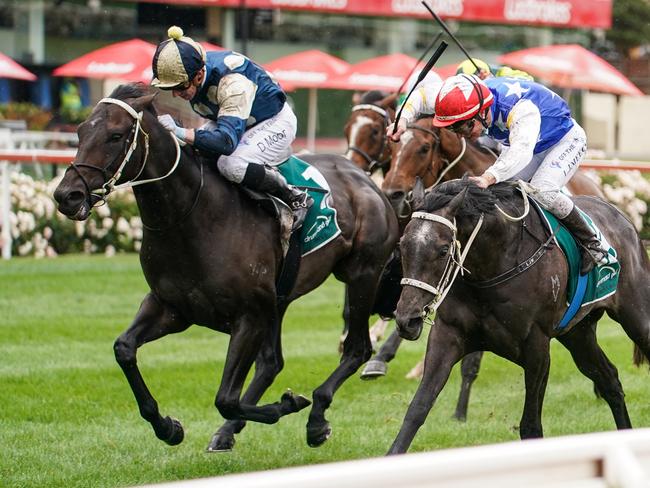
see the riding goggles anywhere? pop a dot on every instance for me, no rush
(463, 127)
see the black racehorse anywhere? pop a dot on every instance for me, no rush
(211, 256)
(516, 315)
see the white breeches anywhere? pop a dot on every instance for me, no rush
(267, 143)
(553, 168)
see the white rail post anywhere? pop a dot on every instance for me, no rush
(6, 202)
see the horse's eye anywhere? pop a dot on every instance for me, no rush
(375, 132)
(115, 137)
(425, 148)
(444, 250)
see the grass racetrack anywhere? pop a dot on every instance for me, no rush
(68, 418)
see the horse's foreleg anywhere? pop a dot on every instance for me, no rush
(593, 363)
(356, 351)
(469, 367)
(378, 364)
(536, 363)
(245, 344)
(268, 364)
(444, 349)
(153, 321)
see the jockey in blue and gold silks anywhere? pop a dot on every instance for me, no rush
(543, 144)
(251, 126)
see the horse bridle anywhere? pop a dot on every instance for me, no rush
(454, 264)
(100, 194)
(374, 163)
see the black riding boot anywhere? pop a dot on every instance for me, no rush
(591, 252)
(268, 180)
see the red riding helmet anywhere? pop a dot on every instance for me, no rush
(461, 97)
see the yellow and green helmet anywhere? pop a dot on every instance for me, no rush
(176, 60)
(469, 68)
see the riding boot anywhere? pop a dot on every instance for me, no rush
(269, 180)
(591, 251)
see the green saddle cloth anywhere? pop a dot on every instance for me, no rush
(603, 279)
(320, 226)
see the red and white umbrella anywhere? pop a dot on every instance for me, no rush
(381, 73)
(11, 69)
(571, 66)
(127, 60)
(307, 69)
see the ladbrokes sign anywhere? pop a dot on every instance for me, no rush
(561, 13)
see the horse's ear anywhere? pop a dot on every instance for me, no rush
(141, 103)
(456, 202)
(418, 194)
(389, 102)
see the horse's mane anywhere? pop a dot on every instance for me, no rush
(477, 200)
(373, 96)
(131, 90)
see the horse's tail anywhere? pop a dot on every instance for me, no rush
(639, 358)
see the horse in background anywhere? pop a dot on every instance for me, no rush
(515, 317)
(212, 256)
(365, 131)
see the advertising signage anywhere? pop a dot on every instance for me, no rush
(557, 13)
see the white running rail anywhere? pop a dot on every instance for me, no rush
(611, 459)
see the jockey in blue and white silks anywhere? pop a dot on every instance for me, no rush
(251, 126)
(542, 143)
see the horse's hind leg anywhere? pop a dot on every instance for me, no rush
(153, 321)
(593, 363)
(469, 367)
(268, 364)
(356, 351)
(444, 349)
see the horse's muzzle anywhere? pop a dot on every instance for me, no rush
(73, 204)
(409, 328)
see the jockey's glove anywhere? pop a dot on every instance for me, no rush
(168, 123)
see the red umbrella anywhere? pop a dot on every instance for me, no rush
(571, 66)
(128, 60)
(11, 69)
(381, 73)
(307, 69)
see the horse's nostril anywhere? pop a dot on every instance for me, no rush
(73, 199)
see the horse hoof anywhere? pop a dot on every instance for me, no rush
(460, 417)
(294, 402)
(316, 436)
(176, 434)
(374, 369)
(221, 443)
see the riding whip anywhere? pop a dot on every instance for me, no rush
(426, 51)
(453, 37)
(427, 67)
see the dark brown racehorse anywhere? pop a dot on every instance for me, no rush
(211, 256)
(515, 317)
(365, 131)
(433, 156)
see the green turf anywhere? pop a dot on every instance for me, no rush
(68, 418)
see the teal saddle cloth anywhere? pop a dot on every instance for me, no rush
(320, 226)
(599, 283)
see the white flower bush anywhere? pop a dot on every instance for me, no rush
(37, 229)
(629, 191)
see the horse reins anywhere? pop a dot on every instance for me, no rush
(455, 259)
(374, 163)
(100, 194)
